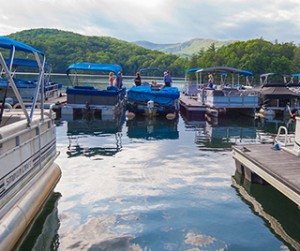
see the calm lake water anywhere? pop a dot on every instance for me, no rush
(161, 185)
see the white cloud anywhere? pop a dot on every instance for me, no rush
(161, 21)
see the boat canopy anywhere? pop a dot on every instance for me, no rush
(17, 62)
(225, 69)
(192, 70)
(8, 43)
(275, 79)
(23, 62)
(296, 75)
(12, 46)
(115, 68)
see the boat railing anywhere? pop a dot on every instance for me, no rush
(7, 106)
(283, 138)
(15, 131)
(52, 90)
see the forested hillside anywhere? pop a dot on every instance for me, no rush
(64, 48)
(258, 56)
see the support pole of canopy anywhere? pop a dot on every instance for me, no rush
(40, 86)
(14, 87)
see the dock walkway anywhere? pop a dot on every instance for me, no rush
(191, 104)
(277, 167)
(56, 101)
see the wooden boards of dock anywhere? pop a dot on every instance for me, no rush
(261, 163)
(192, 105)
(56, 104)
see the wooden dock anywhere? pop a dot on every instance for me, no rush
(276, 167)
(56, 101)
(56, 104)
(190, 104)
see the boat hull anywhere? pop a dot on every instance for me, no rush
(18, 218)
(87, 101)
(28, 173)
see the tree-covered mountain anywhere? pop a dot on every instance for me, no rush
(185, 49)
(63, 48)
(257, 55)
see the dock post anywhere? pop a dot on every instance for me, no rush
(253, 177)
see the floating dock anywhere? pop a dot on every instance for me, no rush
(57, 102)
(261, 163)
(191, 105)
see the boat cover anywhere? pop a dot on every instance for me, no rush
(115, 68)
(165, 96)
(278, 92)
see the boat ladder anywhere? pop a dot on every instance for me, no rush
(283, 138)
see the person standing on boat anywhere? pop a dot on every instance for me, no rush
(167, 78)
(210, 81)
(138, 80)
(111, 79)
(293, 113)
(119, 80)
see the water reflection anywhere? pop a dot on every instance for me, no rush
(152, 128)
(272, 125)
(93, 138)
(43, 234)
(219, 134)
(222, 135)
(148, 193)
(280, 214)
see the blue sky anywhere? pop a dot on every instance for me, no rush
(158, 21)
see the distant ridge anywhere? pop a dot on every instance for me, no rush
(185, 49)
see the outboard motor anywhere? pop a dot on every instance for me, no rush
(150, 106)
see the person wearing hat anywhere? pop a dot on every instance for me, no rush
(167, 78)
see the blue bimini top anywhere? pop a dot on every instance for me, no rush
(115, 68)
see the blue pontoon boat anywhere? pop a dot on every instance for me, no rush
(153, 99)
(27, 87)
(85, 98)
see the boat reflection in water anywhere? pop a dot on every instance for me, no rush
(84, 137)
(43, 234)
(224, 134)
(154, 128)
(272, 125)
(279, 213)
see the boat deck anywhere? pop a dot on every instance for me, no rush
(56, 101)
(277, 167)
(191, 104)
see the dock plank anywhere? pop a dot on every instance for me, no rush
(190, 103)
(278, 167)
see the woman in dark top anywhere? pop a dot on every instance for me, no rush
(138, 80)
